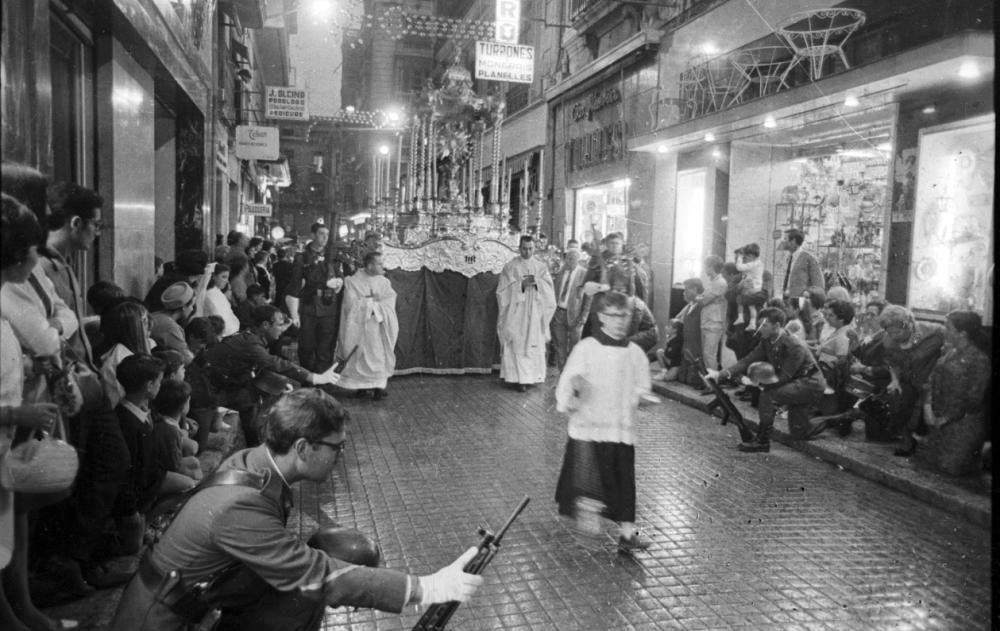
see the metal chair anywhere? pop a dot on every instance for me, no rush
(764, 67)
(694, 86)
(818, 34)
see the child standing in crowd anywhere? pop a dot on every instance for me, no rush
(600, 388)
(751, 290)
(669, 357)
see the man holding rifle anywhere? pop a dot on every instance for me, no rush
(794, 384)
(233, 524)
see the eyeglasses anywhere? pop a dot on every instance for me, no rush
(97, 224)
(617, 316)
(338, 448)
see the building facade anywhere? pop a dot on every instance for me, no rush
(700, 128)
(138, 99)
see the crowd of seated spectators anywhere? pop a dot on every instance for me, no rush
(910, 382)
(156, 402)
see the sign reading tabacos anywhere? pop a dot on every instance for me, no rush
(256, 143)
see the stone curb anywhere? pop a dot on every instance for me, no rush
(936, 491)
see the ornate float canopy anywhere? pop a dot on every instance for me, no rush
(440, 215)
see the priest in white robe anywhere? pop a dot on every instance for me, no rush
(369, 323)
(527, 301)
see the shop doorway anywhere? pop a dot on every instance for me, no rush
(690, 224)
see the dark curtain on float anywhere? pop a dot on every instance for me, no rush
(447, 321)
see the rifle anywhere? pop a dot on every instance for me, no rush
(729, 411)
(437, 616)
(340, 365)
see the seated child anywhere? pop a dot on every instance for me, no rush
(669, 357)
(173, 449)
(176, 371)
(146, 480)
(751, 289)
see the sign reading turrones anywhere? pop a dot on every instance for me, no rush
(505, 62)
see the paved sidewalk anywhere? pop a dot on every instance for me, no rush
(968, 497)
(749, 541)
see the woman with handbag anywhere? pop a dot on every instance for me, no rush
(21, 235)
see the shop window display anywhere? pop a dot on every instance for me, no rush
(952, 262)
(839, 202)
(602, 208)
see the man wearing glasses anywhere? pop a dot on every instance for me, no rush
(74, 223)
(236, 359)
(225, 526)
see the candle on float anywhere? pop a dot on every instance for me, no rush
(541, 173)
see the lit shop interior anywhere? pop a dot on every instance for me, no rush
(603, 207)
(829, 177)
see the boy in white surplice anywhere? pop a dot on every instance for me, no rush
(600, 388)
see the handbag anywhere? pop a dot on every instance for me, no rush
(41, 464)
(87, 380)
(76, 386)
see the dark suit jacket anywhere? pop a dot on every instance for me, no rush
(144, 475)
(805, 273)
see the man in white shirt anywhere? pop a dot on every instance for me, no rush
(713, 312)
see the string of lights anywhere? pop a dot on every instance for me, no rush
(397, 24)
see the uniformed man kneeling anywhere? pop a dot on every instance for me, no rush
(237, 517)
(793, 382)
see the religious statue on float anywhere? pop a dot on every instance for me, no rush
(447, 160)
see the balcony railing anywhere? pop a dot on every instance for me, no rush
(811, 47)
(683, 9)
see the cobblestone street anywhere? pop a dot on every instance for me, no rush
(777, 541)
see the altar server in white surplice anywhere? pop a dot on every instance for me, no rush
(369, 322)
(527, 301)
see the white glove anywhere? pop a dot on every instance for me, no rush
(591, 288)
(335, 284)
(450, 582)
(324, 378)
(712, 374)
(293, 309)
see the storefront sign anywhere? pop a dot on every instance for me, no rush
(596, 101)
(257, 210)
(290, 104)
(508, 22)
(256, 143)
(604, 145)
(505, 62)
